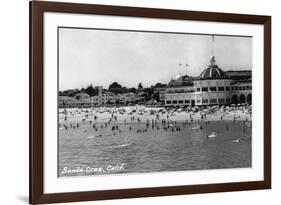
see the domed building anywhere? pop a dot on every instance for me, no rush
(212, 87)
(216, 87)
(213, 71)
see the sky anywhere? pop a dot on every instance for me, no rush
(100, 57)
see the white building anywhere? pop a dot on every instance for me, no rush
(212, 87)
(103, 98)
(180, 95)
(107, 98)
(126, 98)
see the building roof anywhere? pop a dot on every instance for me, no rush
(181, 80)
(82, 96)
(239, 74)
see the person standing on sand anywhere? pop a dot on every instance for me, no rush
(157, 117)
(243, 127)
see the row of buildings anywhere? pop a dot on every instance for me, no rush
(103, 98)
(212, 87)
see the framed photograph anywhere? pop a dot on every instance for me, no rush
(139, 102)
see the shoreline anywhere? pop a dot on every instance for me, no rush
(124, 114)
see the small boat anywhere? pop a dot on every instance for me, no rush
(212, 135)
(195, 128)
(119, 146)
(236, 141)
(91, 137)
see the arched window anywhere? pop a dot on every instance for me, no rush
(234, 99)
(249, 99)
(242, 98)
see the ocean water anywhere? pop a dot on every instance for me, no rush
(87, 151)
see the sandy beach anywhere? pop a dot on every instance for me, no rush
(103, 114)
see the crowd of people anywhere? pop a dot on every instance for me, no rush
(166, 120)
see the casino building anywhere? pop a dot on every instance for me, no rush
(212, 87)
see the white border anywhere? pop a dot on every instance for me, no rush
(52, 184)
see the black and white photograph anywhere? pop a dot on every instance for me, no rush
(132, 101)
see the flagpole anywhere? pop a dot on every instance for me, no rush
(213, 40)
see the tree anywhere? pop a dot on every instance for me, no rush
(140, 86)
(69, 93)
(159, 85)
(116, 88)
(147, 93)
(132, 90)
(156, 96)
(114, 85)
(90, 90)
